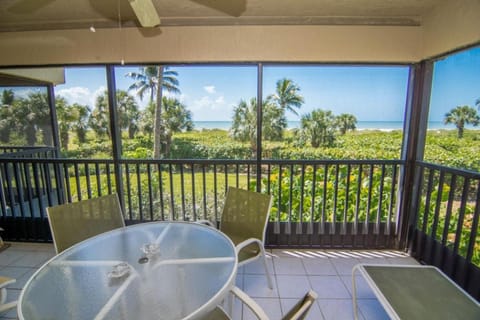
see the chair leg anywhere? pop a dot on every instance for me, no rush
(230, 301)
(354, 294)
(3, 295)
(1, 240)
(264, 259)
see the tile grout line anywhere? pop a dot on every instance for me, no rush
(317, 302)
(275, 285)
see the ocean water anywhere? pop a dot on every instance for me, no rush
(361, 125)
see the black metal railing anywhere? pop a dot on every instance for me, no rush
(323, 203)
(445, 225)
(27, 152)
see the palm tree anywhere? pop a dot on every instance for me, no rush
(6, 126)
(99, 119)
(65, 117)
(176, 118)
(346, 122)
(318, 128)
(146, 120)
(128, 113)
(244, 124)
(286, 95)
(460, 116)
(6, 112)
(32, 115)
(80, 124)
(8, 96)
(148, 80)
(274, 122)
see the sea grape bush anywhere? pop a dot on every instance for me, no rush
(319, 194)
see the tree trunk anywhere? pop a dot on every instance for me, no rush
(5, 135)
(460, 132)
(168, 144)
(158, 125)
(131, 132)
(30, 135)
(47, 135)
(64, 139)
(82, 135)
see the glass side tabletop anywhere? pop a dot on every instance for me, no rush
(416, 292)
(158, 270)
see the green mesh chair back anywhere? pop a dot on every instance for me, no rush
(74, 222)
(244, 216)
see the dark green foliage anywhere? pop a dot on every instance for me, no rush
(461, 116)
(317, 184)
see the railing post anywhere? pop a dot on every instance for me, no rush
(415, 128)
(60, 181)
(259, 125)
(115, 132)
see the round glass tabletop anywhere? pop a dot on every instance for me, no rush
(157, 270)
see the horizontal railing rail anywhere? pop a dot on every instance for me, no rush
(445, 224)
(27, 152)
(324, 203)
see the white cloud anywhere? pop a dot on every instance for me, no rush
(203, 102)
(209, 103)
(220, 100)
(24, 93)
(208, 109)
(81, 95)
(182, 98)
(98, 92)
(167, 94)
(210, 89)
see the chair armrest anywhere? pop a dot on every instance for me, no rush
(5, 281)
(250, 303)
(248, 242)
(207, 222)
(8, 306)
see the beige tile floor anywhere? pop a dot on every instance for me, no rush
(328, 272)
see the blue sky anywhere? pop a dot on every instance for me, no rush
(456, 82)
(371, 93)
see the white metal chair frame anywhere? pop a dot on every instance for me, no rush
(3, 295)
(303, 306)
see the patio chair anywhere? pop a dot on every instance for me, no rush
(244, 220)
(298, 312)
(5, 281)
(74, 222)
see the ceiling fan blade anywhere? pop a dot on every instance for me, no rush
(146, 13)
(231, 7)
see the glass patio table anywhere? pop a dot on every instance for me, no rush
(157, 270)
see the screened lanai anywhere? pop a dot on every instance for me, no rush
(414, 202)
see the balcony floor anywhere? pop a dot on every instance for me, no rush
(328, 272)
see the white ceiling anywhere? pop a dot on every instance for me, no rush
(27, 15)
